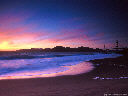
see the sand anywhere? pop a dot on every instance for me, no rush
(75, 85)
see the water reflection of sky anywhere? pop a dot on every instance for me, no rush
(63, 70)
(46, 67)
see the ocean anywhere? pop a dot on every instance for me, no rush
(48, 64)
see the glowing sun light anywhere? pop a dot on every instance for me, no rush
(4, 45)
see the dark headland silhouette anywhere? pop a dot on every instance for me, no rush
(61, 49)
(55, 49)
(116, 49)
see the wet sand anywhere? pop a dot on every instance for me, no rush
(75, 85)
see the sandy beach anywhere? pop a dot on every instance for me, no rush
(109, 78)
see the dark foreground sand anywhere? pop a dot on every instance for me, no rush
(77, 85)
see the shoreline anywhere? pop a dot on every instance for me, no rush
(74, 85)
(81, 68)
(53, 72)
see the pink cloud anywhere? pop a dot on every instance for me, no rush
(67, 37)
(17, 34)
(70, 34)
(10, 18)
(101, 34)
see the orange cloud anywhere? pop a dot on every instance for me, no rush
(16, 34)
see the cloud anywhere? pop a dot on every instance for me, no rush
(20, 33)
(17, 33)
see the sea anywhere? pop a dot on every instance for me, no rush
(48, 64)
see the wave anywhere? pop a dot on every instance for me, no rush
(53, 63)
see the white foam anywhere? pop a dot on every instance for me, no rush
(46, 67)
(65, 70)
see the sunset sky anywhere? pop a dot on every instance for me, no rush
(72, 23)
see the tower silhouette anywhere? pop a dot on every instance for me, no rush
(117, 44)
(104, 47)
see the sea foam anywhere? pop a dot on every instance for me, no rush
(49, 66)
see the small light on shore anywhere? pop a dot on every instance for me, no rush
(100, 78)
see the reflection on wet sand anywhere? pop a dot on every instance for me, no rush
(63, 70)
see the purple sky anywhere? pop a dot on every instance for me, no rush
(72, 23)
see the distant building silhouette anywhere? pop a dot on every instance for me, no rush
(118, 48)
(30, 50)
(59, 49)
(47, 50)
